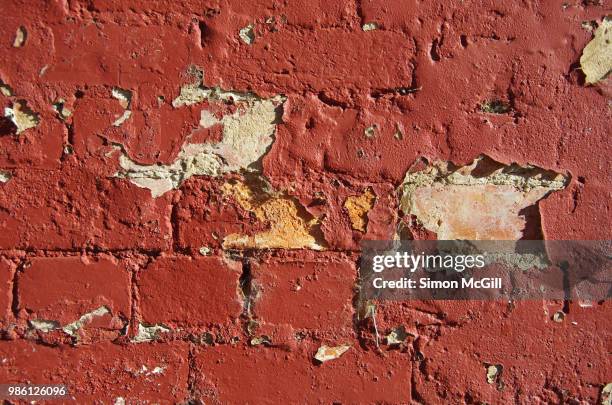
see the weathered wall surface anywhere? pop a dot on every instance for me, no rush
(184, 186)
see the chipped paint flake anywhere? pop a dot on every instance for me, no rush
(558, 316)
(397, 336)
(370, 26)
(5, 89)
(370, 131)
(247, 34)
(290, 226)
(494, 373)
(22, 116)
(5, 176)
(20, 37)
(124, 96)
(358, 207)
(327, 353)
(247, 136)
(60, 108)
(148, 333)
(596, 59)
(479, 201)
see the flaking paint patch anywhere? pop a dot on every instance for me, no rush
(289, 225)
(45, 326)
(479, 201)
(247, 135)
(22, 116)
(247, 34)
(596, 59)
(327, 353)
(358, 207)
(148, 333)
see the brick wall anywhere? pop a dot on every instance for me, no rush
(184, 187)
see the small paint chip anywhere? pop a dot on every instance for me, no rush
(358, 207)
(494, 374)
(596, 59)
(558, 316)
(5, 176)
(20, 37)
(261, 340)
(247, 34)
(370, 26)
(62, 112)
(327, 353)
(22, 116)
(397, 336)
(5, 89)
(370, 131)
(495, 107)
(125, 100)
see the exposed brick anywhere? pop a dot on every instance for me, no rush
(63, 289)
(269, 376)
(306, 293)
(101, 373)
(190, 292)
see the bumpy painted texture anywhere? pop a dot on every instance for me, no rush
(184, 187)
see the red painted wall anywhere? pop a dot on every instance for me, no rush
(221, 287)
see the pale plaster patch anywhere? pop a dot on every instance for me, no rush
(596, 59)
(479, 201)
(247, 136)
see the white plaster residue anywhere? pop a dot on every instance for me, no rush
(149, 333)
(84, 320)
(247, 135)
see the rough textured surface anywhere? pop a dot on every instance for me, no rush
(184, 187)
